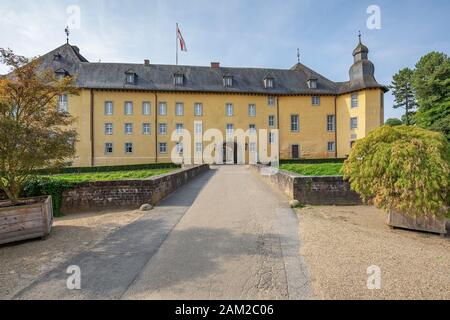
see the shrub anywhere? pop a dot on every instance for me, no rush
(401, 168)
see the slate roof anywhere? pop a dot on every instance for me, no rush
(155, 77)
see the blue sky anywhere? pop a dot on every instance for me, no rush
(237, 33)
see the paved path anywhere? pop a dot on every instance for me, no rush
(225, 235)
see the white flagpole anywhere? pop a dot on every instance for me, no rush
(176, 31)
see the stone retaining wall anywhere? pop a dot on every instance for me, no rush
(311, 190)
(100, 195)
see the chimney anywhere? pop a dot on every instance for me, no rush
(146, 62)
(215, 65)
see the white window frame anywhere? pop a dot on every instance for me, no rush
(271, 121)
(163, 145)
(271, 101)
(198, 109)
(252, 147)
(146, 108)
(107, 145)
(331, 125)
(63, 103)
(127, 126)
(252, 128)
(162, 109)
(129, 144)
(109, 129)
(227, 81)
(229, 129)
(160, 126)
(268, 83)
(179, 127)
(353, 123)
(178, 79)
(128, 108)
(296, 123)
(354, 100)
(179, 109)
(109, 108)
(272, 137)
(145, 126)
(131, 78)
(252, 110)
(198, 147)
(198, 128)
(333, 144)
(229, 110)
(315, 100)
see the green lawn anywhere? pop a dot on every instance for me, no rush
(108, 176)
(317, 169)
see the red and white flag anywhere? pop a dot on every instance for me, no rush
(182, 42)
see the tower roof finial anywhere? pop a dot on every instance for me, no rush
(298, 55)
(359, 36)
(67, 31)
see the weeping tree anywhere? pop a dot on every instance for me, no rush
(401, 168)
(34, 132)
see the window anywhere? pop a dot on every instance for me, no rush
(179, 109)
(331, 146)
(354, 101)
(229, 129)
(179, 128)
(108, 129)
(198, 128)
(295, 151)
(252, 110)
(162, 128)
(146, 128)
(252, 128)
(353, 123)
(198, 147)
(271, 121)
(108, 148)
(162, 109)
(163, 147)
(227, 81)
(109, 108)
(146, 110)
(268, 82)
(271, 101)
(131, 77)
(198, 110)
(316, 101)
(352, 144)
(179, 79)
(331, 123)
(128, 128)
(229, 109)
(312, 83)
(128, 147)
(252, 147)
(128, 108)
(295, 125)
(271, 137)
(63, 103)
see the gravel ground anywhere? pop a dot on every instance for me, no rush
(24, 262)
(340, 243)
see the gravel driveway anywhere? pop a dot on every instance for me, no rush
(340, 243)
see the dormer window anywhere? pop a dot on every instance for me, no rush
(178, 79)
(228, 81)
(268, 82)
(61, 74)
(312, 83)
(130, 77)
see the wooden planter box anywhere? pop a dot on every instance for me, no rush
(427, 224)
(30, 220)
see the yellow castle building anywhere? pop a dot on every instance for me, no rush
(125, 113)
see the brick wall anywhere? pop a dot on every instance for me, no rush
(312, 190)
(127, 193)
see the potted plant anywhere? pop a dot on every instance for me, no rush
(34, 133)
(405, 171)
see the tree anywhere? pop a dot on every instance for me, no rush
(431, 83)
(34, 132)
(393, 122)
(402, 168)
(403, 92)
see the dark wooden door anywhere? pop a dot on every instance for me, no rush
(295, 152)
